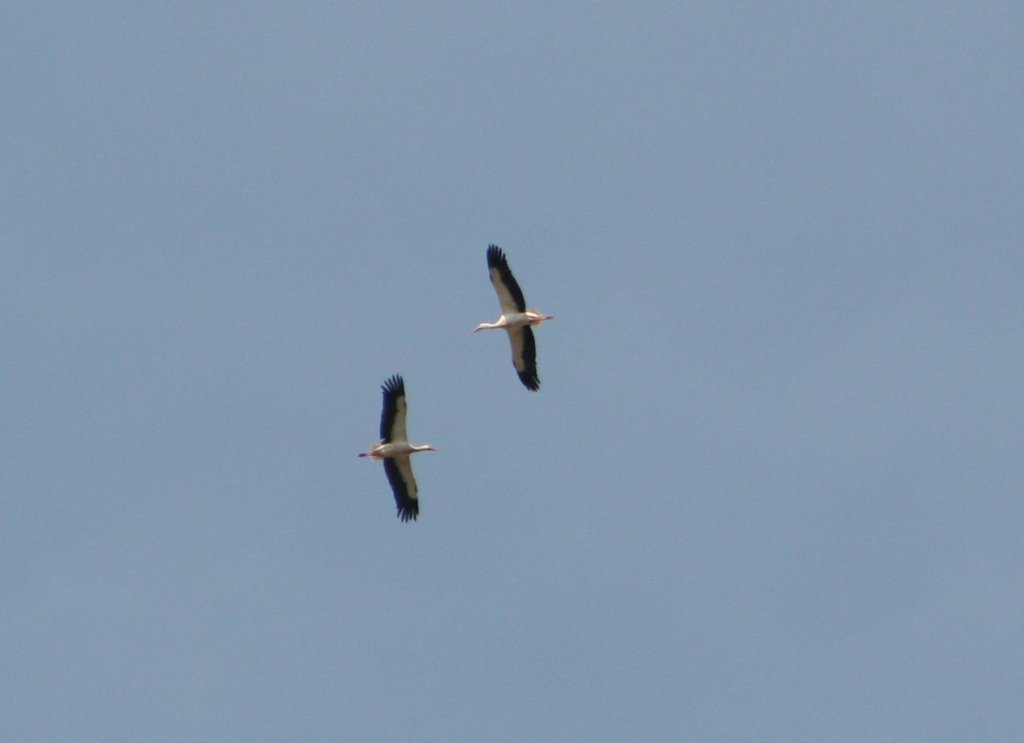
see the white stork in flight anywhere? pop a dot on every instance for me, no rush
(515, 319)
(394, 449)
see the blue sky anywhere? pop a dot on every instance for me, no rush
(770, 489)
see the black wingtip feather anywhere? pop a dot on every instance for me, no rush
(530, 382)
(409, 512)
(394, 385)
(496, 257)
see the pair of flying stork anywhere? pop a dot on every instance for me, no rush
(394, 448)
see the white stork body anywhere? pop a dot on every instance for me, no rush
(515, 318)
(394, 449)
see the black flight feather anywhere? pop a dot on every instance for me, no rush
(496, 260)
(394, 390)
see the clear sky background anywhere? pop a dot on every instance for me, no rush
(771, 488)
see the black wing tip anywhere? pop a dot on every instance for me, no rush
(394, 385)
(408, 511)
(495, 256)
(530, 381)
